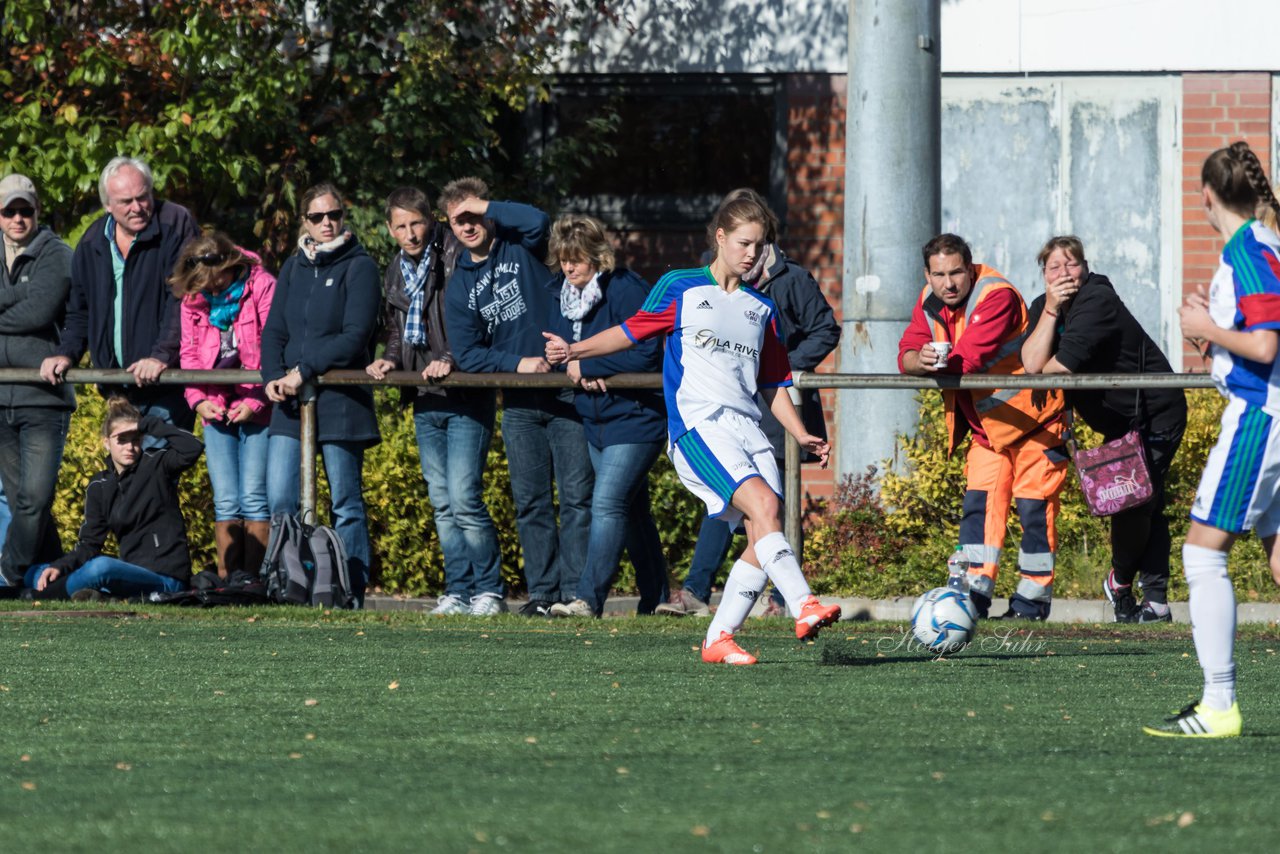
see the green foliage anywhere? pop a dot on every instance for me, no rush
(239, 104)
(897, 544)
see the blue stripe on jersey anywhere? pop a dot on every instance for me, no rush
(706, 466)
(672, 375)
(1238, 256)
(671, 286)
(1244, 464)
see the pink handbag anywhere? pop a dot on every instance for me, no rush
(1114, 477)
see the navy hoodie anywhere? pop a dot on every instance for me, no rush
(624, 416)
(495, 309)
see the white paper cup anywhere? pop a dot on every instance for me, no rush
(943, 349)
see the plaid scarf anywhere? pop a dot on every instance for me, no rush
(415, 280)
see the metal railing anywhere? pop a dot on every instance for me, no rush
(793, 512)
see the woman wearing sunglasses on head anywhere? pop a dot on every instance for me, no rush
(226, 296)
(323, 318)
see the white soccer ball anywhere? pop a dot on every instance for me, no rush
(943, 620)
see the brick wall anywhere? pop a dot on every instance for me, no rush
(814, 217)
(1217, 110)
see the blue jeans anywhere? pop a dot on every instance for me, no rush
(236, 455)
(541, 444)
(452, 449)
(31, 443)
(114, 577)
(620, 515)
(5, 515)
(343, 467)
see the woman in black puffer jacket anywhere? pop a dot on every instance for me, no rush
(323, 318)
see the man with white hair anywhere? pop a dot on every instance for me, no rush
(35, 277)
(121, 309)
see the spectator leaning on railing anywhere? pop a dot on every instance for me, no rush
(626, 429)
(226, 296)
(497, 302)
(323, 318)
(120, 307)
(34, 281)
(453, 425)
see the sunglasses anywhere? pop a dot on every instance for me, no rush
(210, 260)
(25, 212)
(320, 216)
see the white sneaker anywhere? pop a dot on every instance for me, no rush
(576, 608)
(487, 604)
(447, 605)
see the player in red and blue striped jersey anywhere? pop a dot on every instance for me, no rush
(1240, 489)
(723, 347)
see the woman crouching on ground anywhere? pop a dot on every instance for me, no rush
(722, 345)
(136, 499)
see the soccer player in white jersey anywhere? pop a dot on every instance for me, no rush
(722, 346)
(1240, 487)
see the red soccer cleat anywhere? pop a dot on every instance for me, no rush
(723, 650)
(813, 616)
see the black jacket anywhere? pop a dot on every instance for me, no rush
(33, 300)
(140, 506)
(1096, 334)
(150, 317)
(809, 332)
(323, 317)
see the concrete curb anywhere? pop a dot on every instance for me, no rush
(894, 610)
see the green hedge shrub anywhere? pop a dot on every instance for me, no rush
(896, 542)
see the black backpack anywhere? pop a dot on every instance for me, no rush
(306, 565)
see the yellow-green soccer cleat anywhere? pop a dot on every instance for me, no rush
(1199, 721)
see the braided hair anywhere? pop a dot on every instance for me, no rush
(1235, 174)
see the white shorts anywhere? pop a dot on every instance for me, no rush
(1240, 488)
(716, 457)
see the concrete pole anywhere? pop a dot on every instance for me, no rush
(892, 207)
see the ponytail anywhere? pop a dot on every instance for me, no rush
(1235, 175)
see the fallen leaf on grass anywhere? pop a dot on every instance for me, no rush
(823, 814)
(28, 785)
(855, 828)
(530, 740)
(393, 686)
(310, 701)
(26, 757)
(123, 766)
(311, 736)
(295, 755)
(623, 772)
(1185, 819)
(938, 775)
(700, 830)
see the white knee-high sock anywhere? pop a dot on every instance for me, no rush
(780, 564)
(1213, 622)
(741, 589)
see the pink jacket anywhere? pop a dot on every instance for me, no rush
(201, 342)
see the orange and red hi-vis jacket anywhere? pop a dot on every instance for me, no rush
(1007, 415)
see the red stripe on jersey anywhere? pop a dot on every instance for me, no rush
(1260, 308)
(775, 367)
(647, 324)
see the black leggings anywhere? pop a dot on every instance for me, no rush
(1140, 541)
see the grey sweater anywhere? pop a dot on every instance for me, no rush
(33, 301)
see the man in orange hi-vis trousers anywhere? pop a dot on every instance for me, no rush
(971, 320)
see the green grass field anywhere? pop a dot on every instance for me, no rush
(288, 730)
